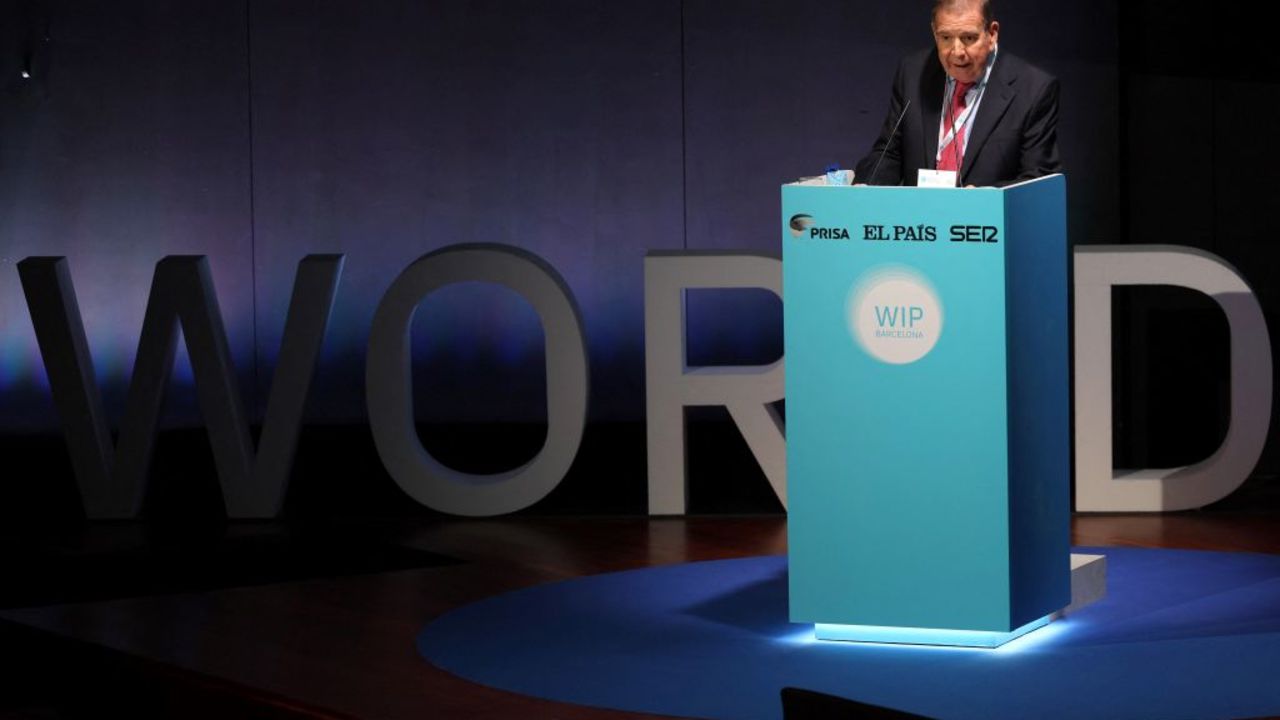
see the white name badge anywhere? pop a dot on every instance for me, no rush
(936, 178)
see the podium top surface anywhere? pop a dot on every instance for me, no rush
(821, 181)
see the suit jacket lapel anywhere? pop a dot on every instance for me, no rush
(933, 83)
(995, 101)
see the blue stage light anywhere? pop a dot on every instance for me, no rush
(923, 636)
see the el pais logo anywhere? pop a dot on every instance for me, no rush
(929, 233)
(894, 314)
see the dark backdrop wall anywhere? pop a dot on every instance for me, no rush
(588, 132)
(1205, 180)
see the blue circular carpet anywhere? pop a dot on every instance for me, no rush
(1180, 634)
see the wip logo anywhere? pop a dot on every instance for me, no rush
(803, 226)
(894, 314)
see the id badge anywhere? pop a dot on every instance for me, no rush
(936, 178)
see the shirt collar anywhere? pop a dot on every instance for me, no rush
(986, 73)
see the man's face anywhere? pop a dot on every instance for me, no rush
(963, 42)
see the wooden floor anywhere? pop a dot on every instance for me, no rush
(344, 647)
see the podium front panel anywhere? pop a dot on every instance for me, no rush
(896, 413)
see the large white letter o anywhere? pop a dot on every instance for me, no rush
(388, 381)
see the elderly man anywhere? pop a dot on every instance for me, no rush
(977, 115)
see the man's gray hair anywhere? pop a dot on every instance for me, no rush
(988, 12)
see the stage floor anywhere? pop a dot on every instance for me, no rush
(345, 646)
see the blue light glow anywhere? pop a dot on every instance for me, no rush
(923, 636)
(1044, 637)
(806, 639)
(798, 637)
(1169, 614)
(20, 361)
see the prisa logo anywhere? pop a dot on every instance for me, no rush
(802, 225)
(818, 233)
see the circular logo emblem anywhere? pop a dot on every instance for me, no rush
(800, 224)
(895, 315)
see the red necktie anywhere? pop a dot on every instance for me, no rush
(953, 152)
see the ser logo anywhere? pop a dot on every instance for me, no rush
(975, 233)
(802, 225)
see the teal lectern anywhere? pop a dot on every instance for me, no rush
(928, 425)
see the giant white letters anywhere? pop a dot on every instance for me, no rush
(388, 381)
(671, 385)
(1098, 486)
(112, 480)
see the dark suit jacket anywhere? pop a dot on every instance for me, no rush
(1014, 136)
